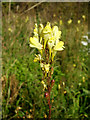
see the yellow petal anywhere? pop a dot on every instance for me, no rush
(34, 43)
(59, 46)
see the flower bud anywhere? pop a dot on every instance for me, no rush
(46, 94)
(52, 82)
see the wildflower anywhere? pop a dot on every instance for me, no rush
(44, 84)
(78, 21)
(59, 46)
(35, 43)
(63, 83)
(45, 116)
(47, 33)
(65, 92)
(80, 84)
(83, 16)
(9, 29)
(36, 32)
(30, 110)
(42, 66)
(52, 100)
(56, 33)
(29, 116)
(83, 79)
(74, 65)
(59, 86)
(60, 22)
(69, 21)
(37, 58)
(46, 66)
(50, 44)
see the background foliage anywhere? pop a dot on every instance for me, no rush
(23, 92)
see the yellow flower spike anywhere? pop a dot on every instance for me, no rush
(46, 66)
(69, 21)
(34, 43)
(59, 46)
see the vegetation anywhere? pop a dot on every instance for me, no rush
(22, 87)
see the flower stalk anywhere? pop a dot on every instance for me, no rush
(47, 41)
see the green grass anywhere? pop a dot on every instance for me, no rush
(21, 77)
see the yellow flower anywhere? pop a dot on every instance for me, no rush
(46, 66)
(63, 83)
(78, 21)
(52, 100)
(83, 16)
(36, 31)
(56, 33)
(47, 33)
(34, 43)
(50, 44)
(59, 86)
(65, 92)
(37, 58)
(69, 21)
(61, 22)
(9, 29)
(59, 46)
(53, 54)
(83, 79)
(44, 84)
(45, 116)
(74, 65)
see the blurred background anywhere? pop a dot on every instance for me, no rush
(22, 89)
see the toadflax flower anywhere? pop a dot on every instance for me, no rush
(37, 58)
(35, 43)
(47, 33)
(47, 67)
